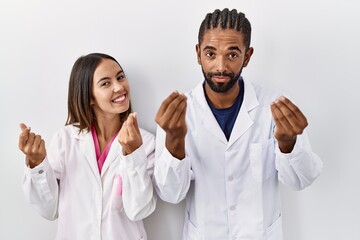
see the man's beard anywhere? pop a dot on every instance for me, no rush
(221, 87)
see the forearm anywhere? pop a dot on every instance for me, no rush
(299, 168)
(176, 146)
(41, 189)
(138, 195)
(172, 177)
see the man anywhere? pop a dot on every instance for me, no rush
(226, 144)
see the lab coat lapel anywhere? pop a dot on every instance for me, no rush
(207, 118)
(115, 151)
(88, 149)
(243, 121)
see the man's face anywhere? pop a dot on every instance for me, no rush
(222, 55)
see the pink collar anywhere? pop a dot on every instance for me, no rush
(101, 156)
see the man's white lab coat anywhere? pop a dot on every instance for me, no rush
(231, 187)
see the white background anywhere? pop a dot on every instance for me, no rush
(308, 49)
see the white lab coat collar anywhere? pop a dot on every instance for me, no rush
(243, 121)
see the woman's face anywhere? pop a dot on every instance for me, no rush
(111, 91)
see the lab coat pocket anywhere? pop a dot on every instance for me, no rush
(262, 160)
(116, 195)
(274, 231)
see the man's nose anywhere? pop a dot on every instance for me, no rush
(221, 64)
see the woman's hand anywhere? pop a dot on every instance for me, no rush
(129, 135)
(32, 145)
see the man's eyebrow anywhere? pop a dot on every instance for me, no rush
(209, 48)
(235, 48)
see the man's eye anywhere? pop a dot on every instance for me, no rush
(210, 54)
(233, 55)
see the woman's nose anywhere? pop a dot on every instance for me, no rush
(118, 87)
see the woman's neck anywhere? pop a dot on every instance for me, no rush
(106, 129)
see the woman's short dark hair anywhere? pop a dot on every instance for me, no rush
(80, 112)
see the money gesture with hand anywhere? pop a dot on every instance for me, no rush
(32, 145)
(129, 136)
(289, 122)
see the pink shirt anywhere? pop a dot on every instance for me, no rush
(101, 156)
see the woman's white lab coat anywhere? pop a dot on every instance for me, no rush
(231, 187)
(67, 185)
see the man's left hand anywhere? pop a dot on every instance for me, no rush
(289, 122)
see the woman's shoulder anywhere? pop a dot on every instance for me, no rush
(71, 130)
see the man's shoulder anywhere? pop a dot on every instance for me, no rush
(262, 91)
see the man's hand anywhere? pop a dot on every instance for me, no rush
(289, 122)
(129, 136)
(171, 118)
(32, 145)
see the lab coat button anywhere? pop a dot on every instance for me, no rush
(232, 208)
(230, 178)
(41, 171)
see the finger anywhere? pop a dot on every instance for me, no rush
(123, 133)
(136, 125)
(42, 146)
(296, 111)
(36, 144)
(23, 127)
(29, 143)
(172, 108)
(286, 114)
(131, 127)
(292, 114)
(180, 112)
(164, 105)
(276, 115)
(24, 135)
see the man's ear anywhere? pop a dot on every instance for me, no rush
(248, 55)
(198, 53)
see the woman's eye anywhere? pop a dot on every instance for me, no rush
(104, 84)
(120, 77)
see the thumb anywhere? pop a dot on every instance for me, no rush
(23, 127)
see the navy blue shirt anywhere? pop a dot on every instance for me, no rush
(226, 117)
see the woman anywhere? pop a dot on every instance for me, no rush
(97, 187)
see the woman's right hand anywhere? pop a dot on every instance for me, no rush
(32, 145)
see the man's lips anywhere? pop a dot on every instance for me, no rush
(220, 79)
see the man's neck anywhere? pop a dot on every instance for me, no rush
(222, 100)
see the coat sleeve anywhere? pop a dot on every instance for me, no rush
(299, 168)
(41, 183)
(172, 176)
(138, 195)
